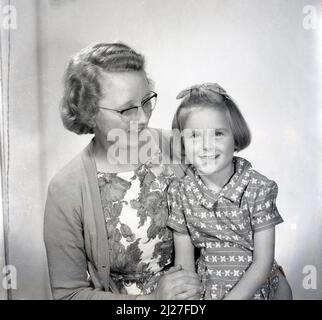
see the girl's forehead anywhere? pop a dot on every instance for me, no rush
(206, 117)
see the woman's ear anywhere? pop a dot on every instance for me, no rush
(92, 122)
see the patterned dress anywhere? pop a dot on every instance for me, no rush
(136, 211)
(223, 224)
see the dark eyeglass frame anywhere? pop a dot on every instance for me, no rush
(143, 102)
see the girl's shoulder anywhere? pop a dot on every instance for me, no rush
(247, 172)
(259, 180)
(260, 186)
(252, 181)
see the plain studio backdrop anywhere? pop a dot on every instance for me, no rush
(266, 54)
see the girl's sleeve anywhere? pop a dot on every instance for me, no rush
(176, 219)
(265, 213)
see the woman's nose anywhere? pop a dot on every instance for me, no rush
(142, 117)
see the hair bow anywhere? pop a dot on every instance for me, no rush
(214, 87)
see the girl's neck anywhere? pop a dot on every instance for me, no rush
(217, 181)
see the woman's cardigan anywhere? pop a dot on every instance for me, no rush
(75, 233)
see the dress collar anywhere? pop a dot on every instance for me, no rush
(232, 191)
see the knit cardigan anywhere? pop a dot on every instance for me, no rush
(75, 233)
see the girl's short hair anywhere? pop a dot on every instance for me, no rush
(214, 96)
(82, 89)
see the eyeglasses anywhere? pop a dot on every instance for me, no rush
(147, 104)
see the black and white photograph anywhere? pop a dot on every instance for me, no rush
(161, 150)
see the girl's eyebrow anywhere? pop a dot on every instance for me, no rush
(203, 130)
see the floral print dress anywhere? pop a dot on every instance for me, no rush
(135, 208)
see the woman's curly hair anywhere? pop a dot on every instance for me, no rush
(82, 90)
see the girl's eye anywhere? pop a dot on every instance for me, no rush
(219, 133)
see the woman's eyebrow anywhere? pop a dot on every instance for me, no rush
(131, 104)
(222, 129)
(125, 105)
(148, 95)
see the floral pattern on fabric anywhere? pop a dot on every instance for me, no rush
(136, 211)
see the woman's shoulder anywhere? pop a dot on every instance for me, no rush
(69, 176)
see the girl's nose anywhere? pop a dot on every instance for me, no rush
(208, 141)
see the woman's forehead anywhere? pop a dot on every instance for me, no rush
(119, 88)
(124, 79)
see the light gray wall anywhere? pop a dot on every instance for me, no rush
(26, 157)
(258, 50)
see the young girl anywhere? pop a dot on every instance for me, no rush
(222, 206)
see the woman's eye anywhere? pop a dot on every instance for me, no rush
(130, 111)
(195, 135)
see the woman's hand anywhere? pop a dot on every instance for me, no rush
(178, 284)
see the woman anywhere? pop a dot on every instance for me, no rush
(105, 218)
